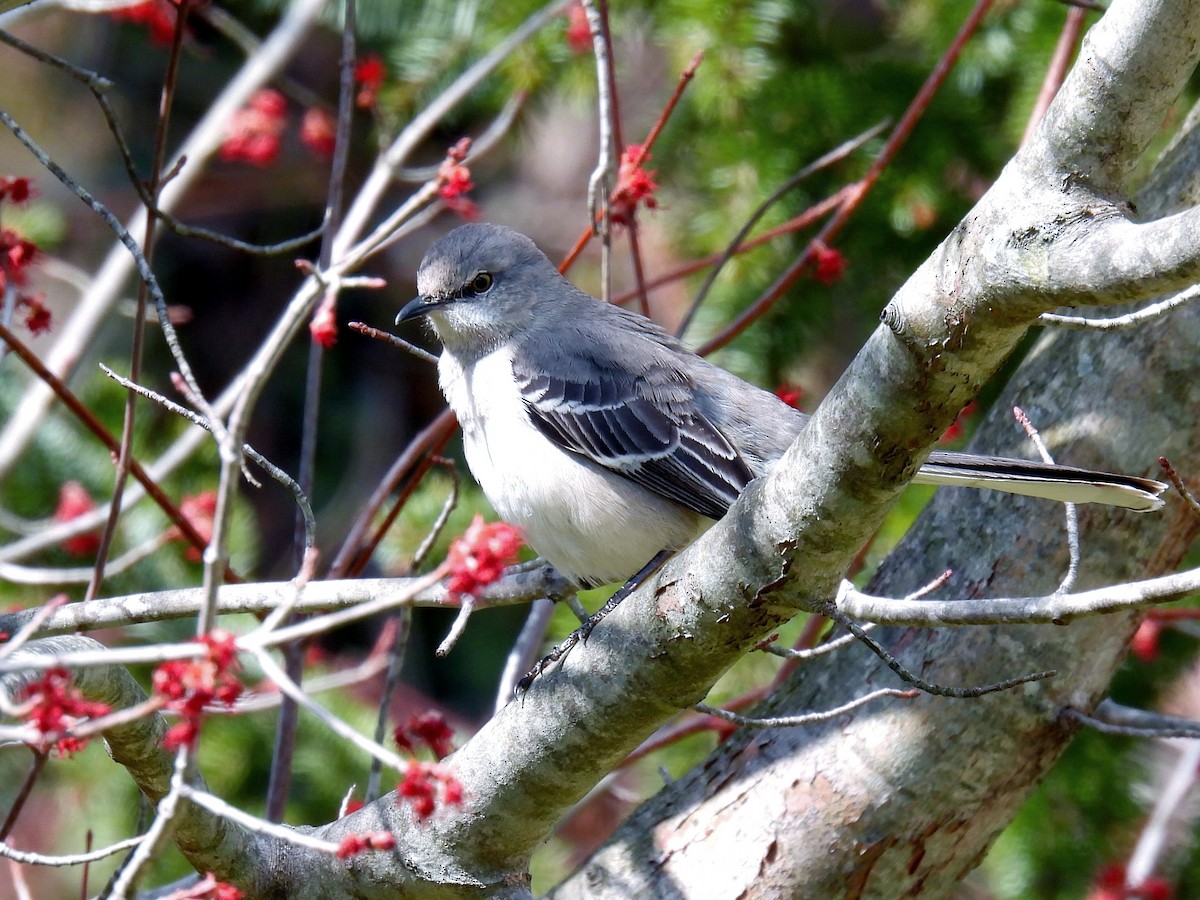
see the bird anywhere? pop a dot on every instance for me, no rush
(604, 438)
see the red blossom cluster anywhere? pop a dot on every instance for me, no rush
(16, 189)
(188, 685)
(353, 844)
(425, 784)
(254, 134)
(454, 180)
(790, 394)
(323, 327)
(318, 131)
(634, 185)
(829, 264)
(428, 728)
(1144, 644)
(16, 254)
(158, 16)
(73, 501)
(369, 73)
(199, 510)
(478, 557)
(1110, 885)
(208, 889)
(579, 33)
(53, 704)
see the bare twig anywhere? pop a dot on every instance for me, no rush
(1070, 510)
(68, 859)
(929, 687)
(1124, 721)
(377, 334)
(1129, 320)
(803, 718)
(1177, 482)
(1058, 609)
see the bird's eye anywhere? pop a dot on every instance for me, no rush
(481, 283)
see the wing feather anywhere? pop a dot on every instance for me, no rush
(646, 428)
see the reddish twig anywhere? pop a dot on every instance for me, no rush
(412, 465)
(137, 350)
(803, 220)
(655, 130)
(1177, 482)
(81, 412)
(735, 246)
(672, 734)
(18, 803)
(1056, 71)
(891, 147)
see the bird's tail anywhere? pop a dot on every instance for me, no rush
(1066, 484)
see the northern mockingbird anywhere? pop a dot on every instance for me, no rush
(608, 441)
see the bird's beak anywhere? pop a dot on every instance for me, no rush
(417, 307)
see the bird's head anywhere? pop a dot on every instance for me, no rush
(479, 285)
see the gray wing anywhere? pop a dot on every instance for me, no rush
(645, 427)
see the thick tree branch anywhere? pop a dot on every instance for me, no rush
(833, 810)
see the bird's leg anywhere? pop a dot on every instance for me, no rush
(584, 631)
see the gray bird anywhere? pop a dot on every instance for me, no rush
(608, 441)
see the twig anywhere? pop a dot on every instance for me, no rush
(439, 524)
(1058, 609)
(805, 654)
(525, 650)
(1070, 510)
(1177, 482)
(735, 246)
(457, 627)
(30, 628)
(137, 352)
(419, 128)
(412, 464)
(22, 794)
(796, 223)
(93, 425)
(19, 574)
(1129, 320)
(915, 680)
(1158, 831)
(891, 147)
(215, 804)
(338, 726)
(99, 87)
(1056, 71)
(105, 285)
(651, 137)
(305, 508)
(599, 184)
(377, 334)
(125, 883)
(125, 239)
(279, 783)
(399, 624)
(1125, 721)
(517, 586)
(68, 859)
(804, 718)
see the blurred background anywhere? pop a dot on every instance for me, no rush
(781, 83)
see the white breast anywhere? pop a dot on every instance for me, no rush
(590, 524)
